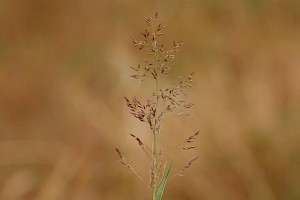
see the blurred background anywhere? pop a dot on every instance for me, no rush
(65, 67)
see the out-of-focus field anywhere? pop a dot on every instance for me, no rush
(65, 67)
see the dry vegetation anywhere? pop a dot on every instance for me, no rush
(64, 72)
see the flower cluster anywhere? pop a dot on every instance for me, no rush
(162, 101)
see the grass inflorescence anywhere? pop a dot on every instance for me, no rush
(160, 103)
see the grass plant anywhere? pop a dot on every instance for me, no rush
(162, 102)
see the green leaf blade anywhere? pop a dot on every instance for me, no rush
(162, 186)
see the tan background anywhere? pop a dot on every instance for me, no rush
(64, 69)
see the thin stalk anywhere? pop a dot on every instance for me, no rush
(155, 143)
(154, 164)
(154, 189)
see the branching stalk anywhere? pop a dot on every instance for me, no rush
(151, 112)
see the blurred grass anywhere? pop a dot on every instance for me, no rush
(64, 68)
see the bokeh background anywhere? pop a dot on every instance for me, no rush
(64, 69)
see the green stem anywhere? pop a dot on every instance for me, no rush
(154, 167)
(154, 164)
(154, 143)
